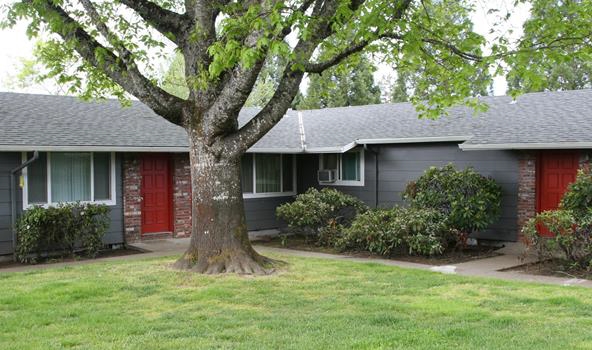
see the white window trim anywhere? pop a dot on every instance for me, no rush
(340, 182)
(110, 202)
(273, 194)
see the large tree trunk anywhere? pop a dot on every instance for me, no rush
(219, 239)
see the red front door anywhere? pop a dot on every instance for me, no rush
(156, 194)
(556, 171)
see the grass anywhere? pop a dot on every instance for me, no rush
(319, 304)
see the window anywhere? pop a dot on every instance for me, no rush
(265, 175)
(349, 167)
(59, 177)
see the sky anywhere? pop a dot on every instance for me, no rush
(14, 44)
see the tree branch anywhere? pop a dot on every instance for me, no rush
(128, 76)
(165, 21)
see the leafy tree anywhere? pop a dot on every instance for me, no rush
(555, 51)
(174, 80)
(400, 90)
(112, 48)
(350, 85)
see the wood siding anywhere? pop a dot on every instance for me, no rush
(399, 164)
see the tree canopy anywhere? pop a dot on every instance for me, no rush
(565, 26)
(350, 84)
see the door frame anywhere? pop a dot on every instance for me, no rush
(539, 172)
(170, 189)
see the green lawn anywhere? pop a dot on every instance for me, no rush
(317, 304)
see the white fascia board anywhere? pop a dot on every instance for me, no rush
(275, 150)
(413, 140)
(343, 149)
(81, 148)
(525, 146)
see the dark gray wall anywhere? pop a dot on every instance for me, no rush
(399, 164)
(8, 161)
(260, 212)
(114, 234)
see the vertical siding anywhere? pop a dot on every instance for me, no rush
(399, 164)
(8, 161)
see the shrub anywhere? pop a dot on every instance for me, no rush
(383, 231)
(470, 201)
(316, 209)
(570, 241)
(570, 226)
(578, 197)
(65, 228)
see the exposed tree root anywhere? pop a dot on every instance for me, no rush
(236, 261)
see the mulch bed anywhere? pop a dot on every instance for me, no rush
(107, 253)
(452, 256)
(552, 268)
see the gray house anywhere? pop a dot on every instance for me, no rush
(137, 163)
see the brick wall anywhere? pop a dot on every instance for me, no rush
(526, 188)
(132, 203)
(181, 195)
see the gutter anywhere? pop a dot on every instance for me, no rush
(13, 194)
(525, 146)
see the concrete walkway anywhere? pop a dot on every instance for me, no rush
(489, 267)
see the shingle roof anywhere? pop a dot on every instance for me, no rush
(535, 120)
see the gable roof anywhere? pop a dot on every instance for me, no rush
(535, 120)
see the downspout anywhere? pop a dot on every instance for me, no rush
(13, 194)
(375, 152)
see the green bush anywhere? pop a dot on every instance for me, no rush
(570, 226)
(470, 201)
(578, 197)
(65, 228)
(316, 209)
(384, 231)
(570, 242)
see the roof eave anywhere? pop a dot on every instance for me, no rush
(84, 148)
(525, 146)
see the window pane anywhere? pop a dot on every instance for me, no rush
(37, 179)
(102, 175)
(247, 173)
(350, 164)
(288, 172)
(330, 161)
(70, 177)
(268, 172)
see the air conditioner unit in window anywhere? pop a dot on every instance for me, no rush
(327, 176)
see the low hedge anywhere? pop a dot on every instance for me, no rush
(64, 228)
(384, 231)
(315, 212)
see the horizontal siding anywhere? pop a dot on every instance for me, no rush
(260, 212)
(400, 164)
(114, 234)
(8, 161)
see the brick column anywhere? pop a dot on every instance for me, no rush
(181, 196)
(526, 189)
(132, 204)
